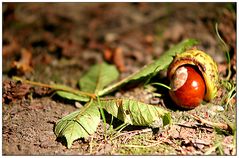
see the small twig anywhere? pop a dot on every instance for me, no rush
(186, 126)
(55, 87)
(213, 124)
(134, 132)
(139, 132)
(196, 125)
(153, 143)
(140, 146)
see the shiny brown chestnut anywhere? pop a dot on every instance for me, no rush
(188, 87)
(193, 77)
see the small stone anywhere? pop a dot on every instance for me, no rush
(19, 147)
(110, 37)
(118, 95)
(213, 111)
(154, 101)
(78, 105)
(148, 96)
(219, 108)
(199, 146)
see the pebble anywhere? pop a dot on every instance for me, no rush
(148, 96)
(213, 111)
(19, 147)
(154, 101)
(78, 105)
(219, 108)
(118, 94)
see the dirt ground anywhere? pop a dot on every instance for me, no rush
(58, 42)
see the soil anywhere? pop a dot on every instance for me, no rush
(59, 42)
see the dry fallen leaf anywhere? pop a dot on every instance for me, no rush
(118, 59)
(24, 65)
(13, 91)
(108, 54)
(11, 48)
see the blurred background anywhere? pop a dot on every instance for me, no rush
(139, 31)
(59, 42)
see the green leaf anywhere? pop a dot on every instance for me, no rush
(136, 113)
(99, 76)
(70, 93)
(79, 124)
(71, 96)
(153, 68)
(83, 122)
(94, 80)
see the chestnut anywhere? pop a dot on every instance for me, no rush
(193, 78)
(188, 87)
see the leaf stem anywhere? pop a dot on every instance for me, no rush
(227, 52)
(121, 127)
(161, 84)
(55, 87)
(102, 114)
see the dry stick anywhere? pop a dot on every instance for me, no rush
(134, 132)
(55, 87)
(213, 124)
(140, 146)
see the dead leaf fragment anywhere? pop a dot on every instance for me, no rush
(11, 48)
(24, 65)
(108, 54)
(119, 59)
(115, 55)
(13, 91)
(69, 47)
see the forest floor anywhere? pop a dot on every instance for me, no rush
(59, 42)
